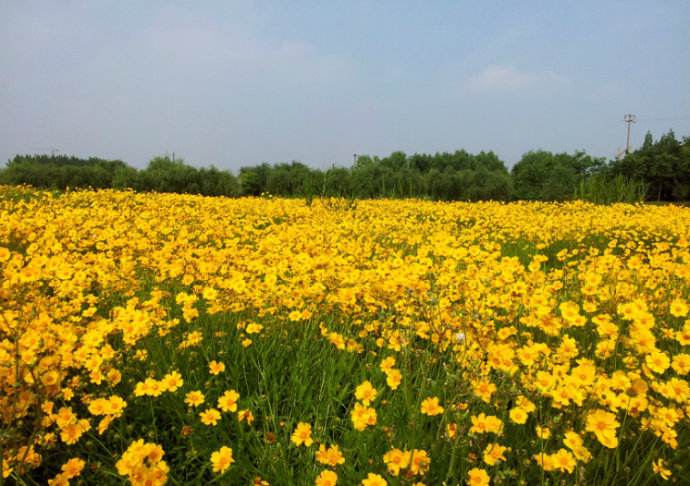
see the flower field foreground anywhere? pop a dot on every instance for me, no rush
(189, 340)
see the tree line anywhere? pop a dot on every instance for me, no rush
(658, 170)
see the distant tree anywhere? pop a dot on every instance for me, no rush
(542, 175)
(663, 165)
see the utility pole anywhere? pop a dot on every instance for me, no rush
(629, 119)
(354, 159)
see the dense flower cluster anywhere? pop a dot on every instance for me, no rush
(142, 463)
(478, 342)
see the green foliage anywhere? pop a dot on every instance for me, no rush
(162, 175)
(604, 189)
(658, 171)
(664, 165)
(443, 176)
(545, 176)
(61, 171)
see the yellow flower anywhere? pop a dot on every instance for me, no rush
(679, 308)
(366, 393)
(374, 480)
(172, 381)
(393, 378)
(227, 402)
(494, 453)
(387, 364)
(484, 389)
(210, 417)
(659, 467)
(477, 477)
(518, 415)
(222, 459)
(431, 407)
(326, 478)
(395, 460)
(657, 361)
(194, 398)
(419, 462)
(563, 461)
(215, 368)
(542, 432)
(245, 415)
(603, 425)
(71, 433)
(302, 435)
(452, 430)
(254, 328)
(73, 468)
(330, 456)
(362, 416)
(486, 424)
(143, 464)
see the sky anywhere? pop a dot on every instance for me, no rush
(234, 83)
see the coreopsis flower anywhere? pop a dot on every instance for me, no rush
(73, 468)
(222, 459)
(302, 435)
(563, 461)
(657, 361)
(210, 294)
(72, 432)
(194, 398)
(484, 389)
(396, 460)
(70, 470)
(326, 478)
(486, 424)
(518, 415)
(245, 415)
(430, 406)
(393, 378)
(363, 416)
(365, 392)
(215, 367)
(681, 363)
(679, 308)
(330, 456)
(227, 402)
(387, 364)
(494, 453)
(478, 477)
(419, 462)
(142, 463)
(172, 381)
(603, 425)
(575, 443)
(373, 479)
(149, 387)
(525, 404)
(210, 416)
(253, 328)
(659, 467)
(452, 430)
(542, 432)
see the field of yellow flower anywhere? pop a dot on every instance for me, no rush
(158, 338)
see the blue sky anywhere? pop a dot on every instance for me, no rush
(238, 83)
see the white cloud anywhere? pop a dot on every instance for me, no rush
(496, 78)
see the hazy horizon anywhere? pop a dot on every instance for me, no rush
(241, 83)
